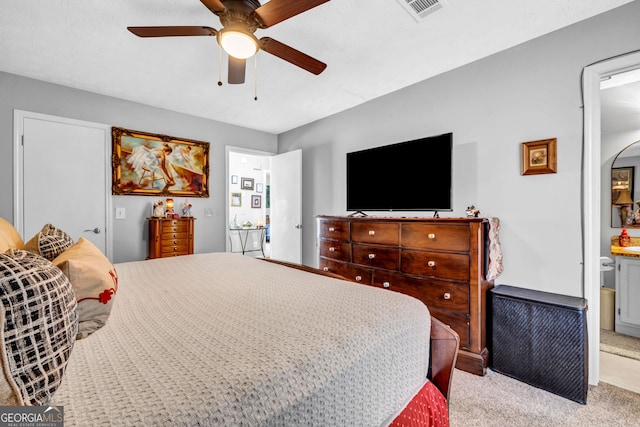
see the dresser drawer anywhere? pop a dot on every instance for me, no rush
(182, 248)
(335, 249)
(376, 256)
(458, 322)
(348, 271)
(175, 226)
(435, 264)
(450, 296)
(170, 242)
(376, 232)
(449, 237)
(174, 235)
(334, 229)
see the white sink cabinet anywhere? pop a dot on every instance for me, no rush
(628, 295)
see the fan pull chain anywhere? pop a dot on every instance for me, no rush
(219, 65)
(255, 77)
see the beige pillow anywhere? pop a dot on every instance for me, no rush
(38, 327)
(49, 242)
(94, 280)
(9, 236)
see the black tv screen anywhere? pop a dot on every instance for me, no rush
(407, 176)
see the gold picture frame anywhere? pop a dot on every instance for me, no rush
(539, 157)
(150, 164)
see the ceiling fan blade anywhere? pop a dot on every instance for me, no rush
(214, 6)
(292, 55)
(172, 31)
(236, 70)
(278, 10)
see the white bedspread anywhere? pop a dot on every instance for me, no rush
(223, 339)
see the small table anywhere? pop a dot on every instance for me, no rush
(243, 242)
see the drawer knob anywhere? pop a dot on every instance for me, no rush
(386, 284)
(372, 232)
(447, 295)
(358, 278)
(431, 264)
(325, 268)
(332, 249)
(372, 256)
(332, 229)
(431, 236)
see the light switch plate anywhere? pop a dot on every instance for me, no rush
(120, 213)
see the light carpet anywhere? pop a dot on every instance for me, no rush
(496, 400)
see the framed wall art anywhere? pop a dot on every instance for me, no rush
(246, 184)
(259, 187)
(236, 199)
(539, 157)
(256, 201)
(148, 164)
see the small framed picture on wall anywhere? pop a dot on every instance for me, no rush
(234, 179)
(247, 184)
(236, 199)
(259, 187)
(256, 201)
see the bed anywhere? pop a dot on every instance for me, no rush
(225, 339)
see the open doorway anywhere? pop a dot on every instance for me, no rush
(264, 211)
(592, 201)
(249, 205)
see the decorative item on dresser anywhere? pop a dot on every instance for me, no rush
(441, 261)
(170, 237)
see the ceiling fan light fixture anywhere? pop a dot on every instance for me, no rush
(238, 44)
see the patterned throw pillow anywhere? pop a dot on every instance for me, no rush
(39, 327)
(49, 242)
(95, 283)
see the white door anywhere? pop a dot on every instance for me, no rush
(62, 177)
(286, 207)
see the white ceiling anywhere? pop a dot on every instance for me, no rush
(372, 47)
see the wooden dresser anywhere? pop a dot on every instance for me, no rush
(441, 261)
(170, 237)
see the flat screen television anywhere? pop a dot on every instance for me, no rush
(407, 176)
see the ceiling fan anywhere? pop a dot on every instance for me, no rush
(240, 19)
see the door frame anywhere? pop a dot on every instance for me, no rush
(591, 78)
(18, 174)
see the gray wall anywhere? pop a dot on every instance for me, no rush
(130, 234)
(526, 93)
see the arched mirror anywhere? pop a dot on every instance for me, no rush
(625, 194)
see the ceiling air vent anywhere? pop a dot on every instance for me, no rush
(419, 9)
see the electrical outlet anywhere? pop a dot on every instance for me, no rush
(208, 212)
(120, 213)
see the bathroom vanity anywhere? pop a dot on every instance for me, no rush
(627, 287)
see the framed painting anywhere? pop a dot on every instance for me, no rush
(148, 164)
(256, 201)
(539, 157)
(246, 184)
(236, 199)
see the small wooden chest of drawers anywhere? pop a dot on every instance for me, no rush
(442, 262)
(170, 237)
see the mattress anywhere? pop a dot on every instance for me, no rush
(223, 339)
